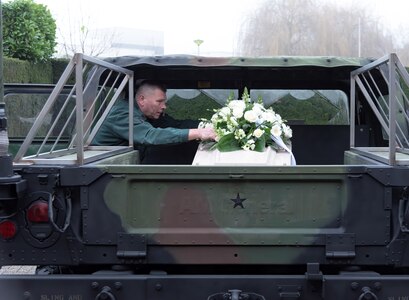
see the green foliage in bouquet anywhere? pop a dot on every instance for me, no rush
(247, 125)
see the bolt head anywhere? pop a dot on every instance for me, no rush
(354, 285)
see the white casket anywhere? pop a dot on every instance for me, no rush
(269, 157)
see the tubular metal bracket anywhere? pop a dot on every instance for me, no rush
(235, 295)
(367, 294)
(105, 294)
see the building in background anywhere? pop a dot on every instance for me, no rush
(138, 42)
(114, 41)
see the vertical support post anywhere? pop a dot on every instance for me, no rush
(392, 109)
(79, 111)
(6, 161)
(1, 55)
(352, 113)
(131, 108)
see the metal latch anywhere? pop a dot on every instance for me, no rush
(131, 246)
(313, 272)
(289, 291)
(314, 277)
(340, 245)
(235, 295)
(403, 212)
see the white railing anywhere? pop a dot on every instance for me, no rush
(78, 114)
(382, 84)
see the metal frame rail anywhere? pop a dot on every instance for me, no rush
(390, 110)
(86, 106)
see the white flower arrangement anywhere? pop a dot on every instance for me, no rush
(246, 125)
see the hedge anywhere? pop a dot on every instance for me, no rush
(20, 71)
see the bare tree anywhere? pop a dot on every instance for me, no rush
(401, 43)
(80, 38)
(279, 27)
(78, 33)
(289, 27)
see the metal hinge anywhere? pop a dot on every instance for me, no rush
(131, 246)
(340, 246)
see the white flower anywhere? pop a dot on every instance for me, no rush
(278, 118)
(239, 134)
(288, 133)
(245, 122)
(225, 131)
(205, 125)
(230, 127)
(250, 145)
(276, 130)
(238, 112)
(233, 122)
(225, 111)
(258, 109)
(237, 107)
(237, 104)
(268, 116)
(250, 116)
(258, 132)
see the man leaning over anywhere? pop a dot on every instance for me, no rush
(150, 105)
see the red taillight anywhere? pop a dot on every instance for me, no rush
(8, 229)
(38, 212)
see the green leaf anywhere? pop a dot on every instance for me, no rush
(260, 144)
(30, 28)
(228, 143)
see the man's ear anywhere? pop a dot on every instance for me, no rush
(140, 99)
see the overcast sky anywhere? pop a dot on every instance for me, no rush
(216, 22)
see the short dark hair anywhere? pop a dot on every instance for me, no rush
(150, 83)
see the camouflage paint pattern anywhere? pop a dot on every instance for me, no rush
(236, 215)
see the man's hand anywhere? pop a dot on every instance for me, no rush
(203, 134)
(207, 134)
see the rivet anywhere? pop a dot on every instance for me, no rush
(354, 285)
(118, 285)
(94, 285)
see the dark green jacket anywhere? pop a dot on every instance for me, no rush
(114, 130)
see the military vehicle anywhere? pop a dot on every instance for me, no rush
(99, 224)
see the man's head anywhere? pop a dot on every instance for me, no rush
(151, 98)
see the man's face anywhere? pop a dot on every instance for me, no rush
(152, 103)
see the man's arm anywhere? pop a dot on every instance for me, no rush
(166, 121)
(116, 127)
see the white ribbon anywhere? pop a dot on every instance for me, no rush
(280, 143)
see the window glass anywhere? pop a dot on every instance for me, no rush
(23, 109)
(311, 107)
(195, 104)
